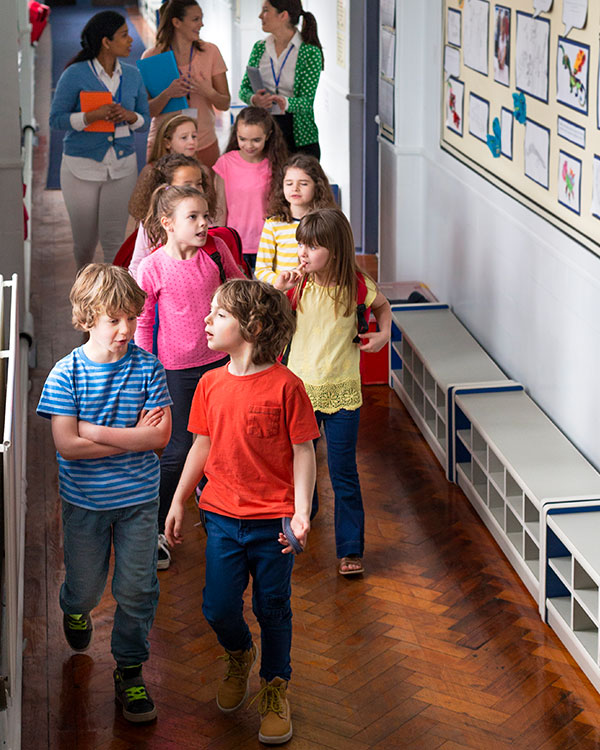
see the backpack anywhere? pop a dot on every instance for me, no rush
(362, 311)
(232, 239)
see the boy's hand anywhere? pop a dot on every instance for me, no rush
(373, 341)
(150, 418)
(173, 524)
(300, 526)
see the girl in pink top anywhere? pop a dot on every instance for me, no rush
(179, 279)
(202, 80)
(246, 173)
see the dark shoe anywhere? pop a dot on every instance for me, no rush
(78, 630)
(131, 694)
(164, 553)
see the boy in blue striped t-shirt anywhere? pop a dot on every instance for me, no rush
(110, 410)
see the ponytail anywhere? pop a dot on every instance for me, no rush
(164, 201)
(101, 25)
(309, 22)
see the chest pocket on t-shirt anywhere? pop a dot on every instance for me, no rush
(263, 421)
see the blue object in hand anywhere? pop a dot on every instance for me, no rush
(290, 536)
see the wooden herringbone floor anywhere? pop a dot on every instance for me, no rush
(437, 646)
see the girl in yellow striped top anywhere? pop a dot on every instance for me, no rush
(304, 188)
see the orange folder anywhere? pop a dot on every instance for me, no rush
(92, 100)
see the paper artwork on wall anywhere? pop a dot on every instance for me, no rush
(570, 131)
(502, 45)
(453, 27)
(574, 14)
(537, 152)
(572, 74)
(569, 181)
(479, 117)
(541, 6)
(451, 61)
(532, 55)
(506, 129)
(596, 188)
(476, 35)
(454, 105)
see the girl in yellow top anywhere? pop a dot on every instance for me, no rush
(324, 355)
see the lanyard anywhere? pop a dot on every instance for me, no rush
(187, 96)
(117, 95)
(278, 78)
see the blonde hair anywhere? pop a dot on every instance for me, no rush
(330, 228)
(164, 201)
(101, 288)
(165, 133)
(264, 314)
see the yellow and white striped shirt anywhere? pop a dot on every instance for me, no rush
(277, 249)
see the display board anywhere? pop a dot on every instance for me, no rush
(387, 67)
(520, 103)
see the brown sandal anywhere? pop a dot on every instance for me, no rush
(350, 560)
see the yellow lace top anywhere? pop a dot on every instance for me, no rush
(322, 352)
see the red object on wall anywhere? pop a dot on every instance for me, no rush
(374, 368)
(38, 18)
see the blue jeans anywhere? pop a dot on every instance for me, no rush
(87, 542)
(341, 433)
(182, 386)
(235, 549)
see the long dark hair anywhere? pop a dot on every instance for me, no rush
(280, 209)
(275, 146)
(309, 22)
(103, 24)
(168, 11)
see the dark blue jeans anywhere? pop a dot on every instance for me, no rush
(235, 550)
(182, 386)
(88, 536)
(341, 433)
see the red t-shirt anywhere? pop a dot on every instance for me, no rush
(252, 421)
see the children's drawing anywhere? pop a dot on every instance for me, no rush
(572, 74)
(532, 55)
(454, 105)
(494, 141)
(537, 150)
(569, 181)
(502, 45)
(520, 107)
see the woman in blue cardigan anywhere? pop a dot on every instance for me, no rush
(99, 168)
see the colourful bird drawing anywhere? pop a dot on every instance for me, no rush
(569, 179)
(576, 85)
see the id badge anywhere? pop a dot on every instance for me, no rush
(122, 130)
(190, 112)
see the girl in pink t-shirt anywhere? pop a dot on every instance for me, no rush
(246, 174)
(179, 279)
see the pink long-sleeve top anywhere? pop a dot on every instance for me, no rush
(183, 290)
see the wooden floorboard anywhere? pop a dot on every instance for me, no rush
(438, 645)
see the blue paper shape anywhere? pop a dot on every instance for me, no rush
(158, 71)
(520, 107)
(494, 141)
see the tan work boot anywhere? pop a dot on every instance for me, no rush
(274, 708)
(233, 691)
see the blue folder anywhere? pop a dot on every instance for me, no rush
(158, 72)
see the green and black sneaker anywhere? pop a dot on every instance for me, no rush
(131, 693)
(78, 630)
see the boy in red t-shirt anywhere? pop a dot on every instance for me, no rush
(254, 426)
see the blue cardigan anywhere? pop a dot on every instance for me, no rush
(79, 77)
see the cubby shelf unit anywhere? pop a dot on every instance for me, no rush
(430, 354)
(572, 582)
(511, 462)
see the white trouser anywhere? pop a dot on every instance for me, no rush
(98, 211)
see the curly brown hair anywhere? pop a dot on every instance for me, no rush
(279, 208)
(264, 314)
(101, 288)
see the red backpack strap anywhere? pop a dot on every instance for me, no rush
(232, 239)
(210, 248)
(363, 313)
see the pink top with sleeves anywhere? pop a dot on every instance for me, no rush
(246, 193)
(183, 290)
(205, 64)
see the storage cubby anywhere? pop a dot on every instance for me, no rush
(430, 353)
(573, 581)
(511, 461)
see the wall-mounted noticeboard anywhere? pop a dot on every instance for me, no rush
(520, 82)
(387, 68)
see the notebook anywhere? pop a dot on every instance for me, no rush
(158, 72)
(92, 100)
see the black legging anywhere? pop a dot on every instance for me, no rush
(286, 125)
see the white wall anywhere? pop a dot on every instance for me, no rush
(526, 291)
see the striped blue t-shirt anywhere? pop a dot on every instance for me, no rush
(113, 395)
